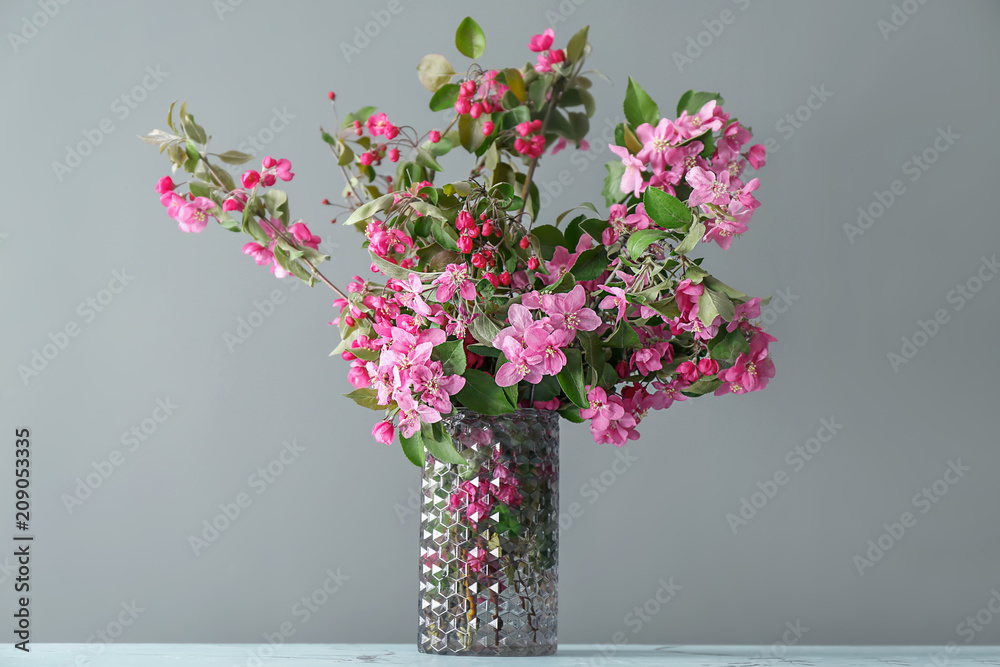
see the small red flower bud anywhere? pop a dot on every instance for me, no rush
(332, 95)
(533, 263)
(525, 242)
(435, 136)
(488, 128)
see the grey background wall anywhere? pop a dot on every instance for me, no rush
(848, 103)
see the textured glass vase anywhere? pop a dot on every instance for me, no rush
(489, 538)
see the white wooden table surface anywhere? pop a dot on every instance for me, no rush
(317, 655)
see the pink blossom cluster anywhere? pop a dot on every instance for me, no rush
(191, 213)
(547, 56)
(275, 229)
(534, 348)
(671, 155)
(405, 377)
(476, 98)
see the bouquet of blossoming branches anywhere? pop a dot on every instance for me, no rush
(601, 317)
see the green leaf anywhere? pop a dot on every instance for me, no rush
(712, 304)
(590, 264)
(667, 308)
(469, 39)
(451, 354)
(578, 97)
(366, 211)
(639, 107)
(719, 286)
(193, 130)
(625, 337)
(361, 115)
(413, 447)
(665, 209)
(702, 387)
(446, 236)
(516, 83)
(613, 183)
(730, 347)
(549, 237)
(426, 159)
(470, 132)
(445, 97)
(200, 189)
(484, 350)
(433, 71)
(642, 239)
(692, 101)
(396, 271)
(692, 239)
(235, 157)
(276, 203)
(576, 48)
(484, 330)
(439, 444)
(482, 394)
(591, 343)
(571, 413)
(571, 378)
(366, 397)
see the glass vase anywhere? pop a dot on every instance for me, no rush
(489, 537)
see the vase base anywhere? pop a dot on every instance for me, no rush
(494, 651)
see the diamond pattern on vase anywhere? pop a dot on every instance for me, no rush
(489, 535)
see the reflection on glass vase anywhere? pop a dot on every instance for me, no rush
(489, 537)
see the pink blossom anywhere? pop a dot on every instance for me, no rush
(435, 388)
(756, 156)
(616, 298)
(521, 364)
(193, 216)
(250, 178)
(411, 295)
(602, 409)
(632, 178)
(722, 231)
(568, 311)
(283, 170)
(384, 432)
(412, 414)
(542, 42)
(731, 142)
(686, 296)
(708, 187)
(261, 255)
(164, 185)
(304, 236)
(173, 202)
(670, 392)
(377, 124)
(706, 119)
(656, 142)
(744, 313)
(455, 277)
(688, 372)
(560, 264)
(546, 346)
(708, 367)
